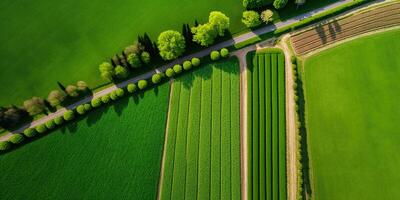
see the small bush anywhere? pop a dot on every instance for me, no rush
(170, 72)
(224, 52)
(145, 57)
(41, 128)
(69, 115)
(113, 95)
(50, 124)
(131, 87)
(16, 138)
(96, 102)
(5, 145)
(187, 65)
(142, 84)
(214, 55)
(30, 132)
(59, 120)
(156, 78)
(105, 99)
(177, 69)
(196, 62)
(87, 106)
(120, 92)
(81, 109)
(293, 59)
(72, 91)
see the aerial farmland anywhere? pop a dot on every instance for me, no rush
(193, 100)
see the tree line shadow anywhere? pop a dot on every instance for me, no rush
(334, 28)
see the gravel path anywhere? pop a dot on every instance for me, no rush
(202, 53)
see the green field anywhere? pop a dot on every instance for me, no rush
(203, 146)
(352, 111)
(113, 153)
(266, 125)
(43, 42)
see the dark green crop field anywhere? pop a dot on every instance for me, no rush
(266, 125)
(113, 153)
(42, 42)
(352, 110)
(202, 157)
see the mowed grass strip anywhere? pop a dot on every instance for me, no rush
(249, 74)
(212, 148)
(267, 151)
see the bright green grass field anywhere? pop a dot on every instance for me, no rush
(42, 42)
(113, 153)
(352, 106)
(266, 125)
(202, 157)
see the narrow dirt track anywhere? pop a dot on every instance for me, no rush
(372, 19)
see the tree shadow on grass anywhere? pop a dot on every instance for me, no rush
(120, 106)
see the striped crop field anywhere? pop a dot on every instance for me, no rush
(266, 125)
(202, 152)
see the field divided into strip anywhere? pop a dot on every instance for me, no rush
(202, 153)
(266, 125)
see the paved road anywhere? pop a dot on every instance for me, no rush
(202, 53)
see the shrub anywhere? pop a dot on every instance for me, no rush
(196, 62)
(16, 138)
(293, 59)
(214, 55)
(251, 18)
(50, 124)
(81, 109)
(187, 65)
(177, 69)
(113, 95)
(156, 78)
(142, 84)
(279, 4)
(69, 115)
(224, 52)
(82, 86)
(136, 48)
(121, 72)
(96, 102)
(34, 106)
(267, 16)
(106, 71)
(171, 44)
(131, 87)
(59, 120)
(120, 92)
(55, 98)
(41, 128)
(30, 132)
(4, 145)
(170, 72)
(105, 99)
(145, 56)
(72, 91)
(134, 60)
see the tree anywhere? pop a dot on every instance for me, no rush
(106, 71)
(16, 138)
(195, 62)
(300, 2)
(169, 72)
(105, 99)
(279, 4)
(30, 132)
(267, 16)
(134, 60)
(50, 124)
(251, 19)
(224, 52)
(81, 109)
(11, 116)
(82, 86)
(214, 55)
(135, 48)
(41, 128)
(156, 78)
(131, 87)
(171, 44)
(204, 34)
(56, 97)
(96, 102)
(72, 91)
(219, 21)
(87, 106)
(121, 72)
(253, 4)
(177, 69)
(34, 106)
(69, 115)
(113, 95)
(187, 65)
(59, 120)
(142, 84)
(145, 57)
(5, 145)
(120, 92)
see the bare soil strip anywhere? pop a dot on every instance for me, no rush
(381, 17)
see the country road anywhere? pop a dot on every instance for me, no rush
(202, 53)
